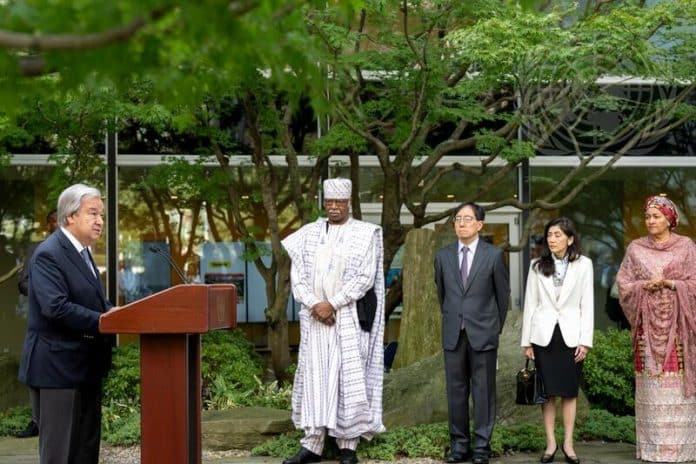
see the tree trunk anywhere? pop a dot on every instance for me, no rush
(419, 333)
(277, 320)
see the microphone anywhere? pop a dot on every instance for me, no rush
(171, 262)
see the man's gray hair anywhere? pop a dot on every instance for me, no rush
(71, 198)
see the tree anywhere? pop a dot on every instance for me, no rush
(417, 81)
(186, 47)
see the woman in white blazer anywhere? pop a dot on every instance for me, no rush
(557, 327)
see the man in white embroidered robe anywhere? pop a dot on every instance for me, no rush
(338, 382)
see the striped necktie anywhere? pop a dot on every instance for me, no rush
(463, 269)
(85, 256)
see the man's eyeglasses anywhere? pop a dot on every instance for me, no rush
(465, 219)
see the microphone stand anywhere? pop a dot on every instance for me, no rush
(171, 262)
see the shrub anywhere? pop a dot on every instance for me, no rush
(608, 373)
(523, 437)
(122, 430)
(122, 385)
(283, 445)
(230, 372)
(121, 402)
(14, 420)
(602, 425)
(229, 361)
(431, 440)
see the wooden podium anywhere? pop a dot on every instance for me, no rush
(170, 323)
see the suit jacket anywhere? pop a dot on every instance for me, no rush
(481, 306)
(63, 347)
(573, 311)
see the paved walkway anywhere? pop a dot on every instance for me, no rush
(24, 451)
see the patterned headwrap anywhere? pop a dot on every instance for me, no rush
(337, 189)
(666, 207)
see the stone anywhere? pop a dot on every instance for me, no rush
(416, 394)
(12, 392)
(414, 391)
(243, 428)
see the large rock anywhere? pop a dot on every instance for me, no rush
(12, 393)
(414, 392)
(243, 428)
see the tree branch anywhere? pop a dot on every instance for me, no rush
(48, 42)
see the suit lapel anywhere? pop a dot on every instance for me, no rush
(74, 256)
(569, 281)
(547, 282)
(479, 257)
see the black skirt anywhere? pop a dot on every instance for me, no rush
(556, 365)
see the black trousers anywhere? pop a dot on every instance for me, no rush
(470, 372)
(69, 423)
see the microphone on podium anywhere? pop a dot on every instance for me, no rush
(171, 262)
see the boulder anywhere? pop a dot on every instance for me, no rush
(416, 394)
(243, 428)
(414, 391)
(12, 392)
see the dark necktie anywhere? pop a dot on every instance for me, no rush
(85, 256)
(463, 269)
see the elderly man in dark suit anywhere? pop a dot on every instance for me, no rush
(65, 358)
(473, 287)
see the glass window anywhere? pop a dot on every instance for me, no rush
(24, 190)
(608, 214)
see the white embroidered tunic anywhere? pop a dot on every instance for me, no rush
(338, 382)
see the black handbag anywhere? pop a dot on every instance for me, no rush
(530, 387)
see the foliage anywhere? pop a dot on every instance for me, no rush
(231, 373)
(603, 425)
(121, 401)
(183, 46)
(122, 385)
(608, 372)
(283, 445)
(229, 360)
(419, 81)
(425, 440)
(121, 430)
(14, 420)
(523, 437)
(431, 440)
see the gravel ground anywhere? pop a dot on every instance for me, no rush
(131, 455)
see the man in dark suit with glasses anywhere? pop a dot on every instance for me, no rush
(473, 286)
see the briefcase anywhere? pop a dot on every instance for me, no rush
(530, 387)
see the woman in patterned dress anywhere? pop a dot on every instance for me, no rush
(657, 288)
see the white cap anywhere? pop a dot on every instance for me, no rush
(337, 189)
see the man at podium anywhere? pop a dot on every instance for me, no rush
(337, 275)
(65, 358)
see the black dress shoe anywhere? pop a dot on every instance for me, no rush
(546, 458)
(570, 459)
(31, 430)
(480, 459)
(458, 456)
(303, 456)
(347, 456)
